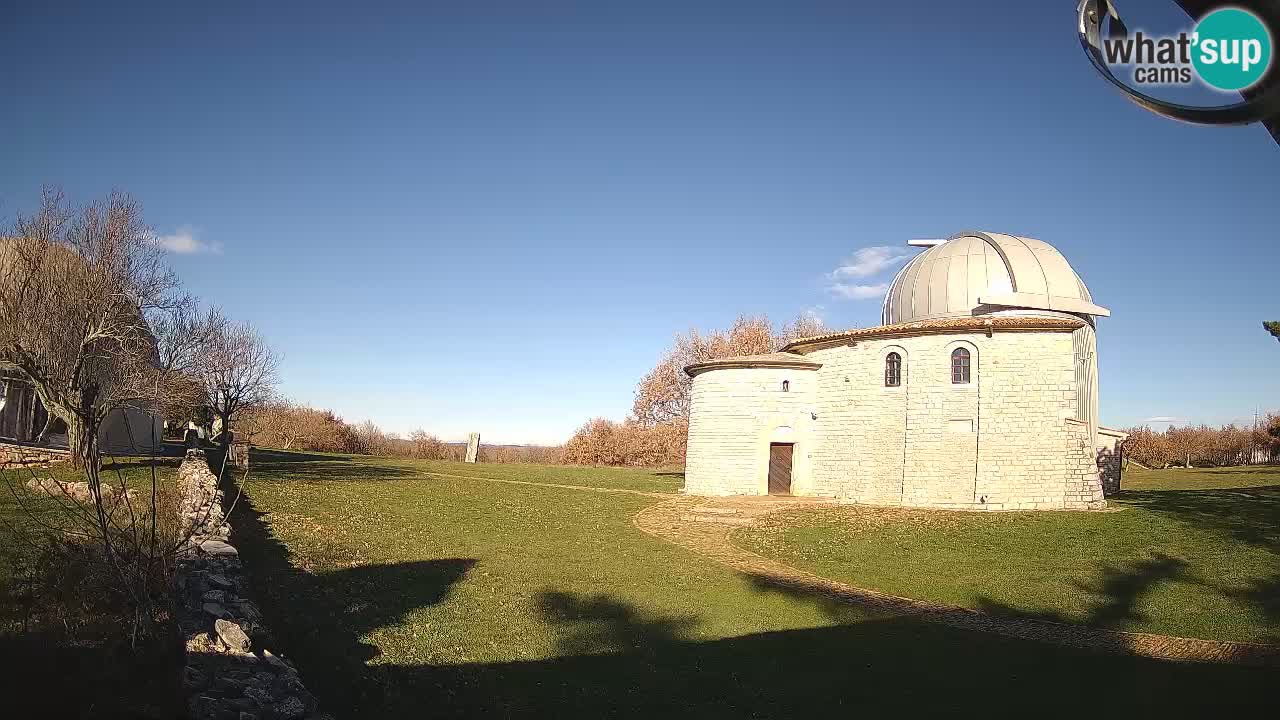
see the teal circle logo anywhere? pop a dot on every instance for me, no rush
(1231, 49)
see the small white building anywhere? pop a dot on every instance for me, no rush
(978, 391)
(23, 418)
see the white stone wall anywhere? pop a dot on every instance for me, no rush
(734, 415)
(1004, 441)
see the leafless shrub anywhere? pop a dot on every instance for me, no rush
(604, 442)
(369, 439)
(289, 425)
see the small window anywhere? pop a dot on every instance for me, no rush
(893, 370)
(959, 366)
(786, 386)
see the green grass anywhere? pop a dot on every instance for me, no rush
(281, 464)
(1137, 478)
(404, 591)
(1189, 552)
(26, 515)
(63, 643)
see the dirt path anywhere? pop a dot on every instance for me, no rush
(704, 525)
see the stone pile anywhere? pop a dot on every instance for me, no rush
(76, 490)
(226, 677)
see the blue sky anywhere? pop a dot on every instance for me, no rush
(494, 216)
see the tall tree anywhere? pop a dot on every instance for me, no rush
(1273, 327)
(662, 395)
(91, 315)
(237, 372)
(93, 318)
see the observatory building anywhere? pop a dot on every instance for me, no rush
(979, 391)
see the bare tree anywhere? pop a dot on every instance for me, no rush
(237, 372)
(662, 395)
(93, 318)
(425, 445)
(804, 326)
(91, 315)
(370, 440)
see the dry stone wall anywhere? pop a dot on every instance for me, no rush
(227, 675)
(13, 455)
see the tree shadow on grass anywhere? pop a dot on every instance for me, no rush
(45, 677)
(886, 664)
(1264, 594)
(599, 623)
(617, 659)
(1115, 595)
(320, 620)
(1249, 515)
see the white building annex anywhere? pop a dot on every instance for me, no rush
(979, 391)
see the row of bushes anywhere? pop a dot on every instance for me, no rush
(604, 442)
(293, 426)
(1206, 446)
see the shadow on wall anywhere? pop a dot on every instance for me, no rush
(1110, 468)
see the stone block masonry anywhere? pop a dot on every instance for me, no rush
(226, 675)
(13, 455)
(1005, 438)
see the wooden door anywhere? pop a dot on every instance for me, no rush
(780, 468)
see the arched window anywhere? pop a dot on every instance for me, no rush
(786, 386)
(892, 370)
(959, 366)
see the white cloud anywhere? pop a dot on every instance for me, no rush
(1165, 419)
(866, 262)
(184, 242)
(851, 291)
(869, 261)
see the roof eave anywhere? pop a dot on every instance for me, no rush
(957, 325)
(733, 364)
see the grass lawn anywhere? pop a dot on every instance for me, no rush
(1188, 552)
(25, 514)
(68, 657)
(404, 590)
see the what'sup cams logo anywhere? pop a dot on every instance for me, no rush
(1228, 49)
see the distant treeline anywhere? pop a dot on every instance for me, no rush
(293, 426)
(1206, 446)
